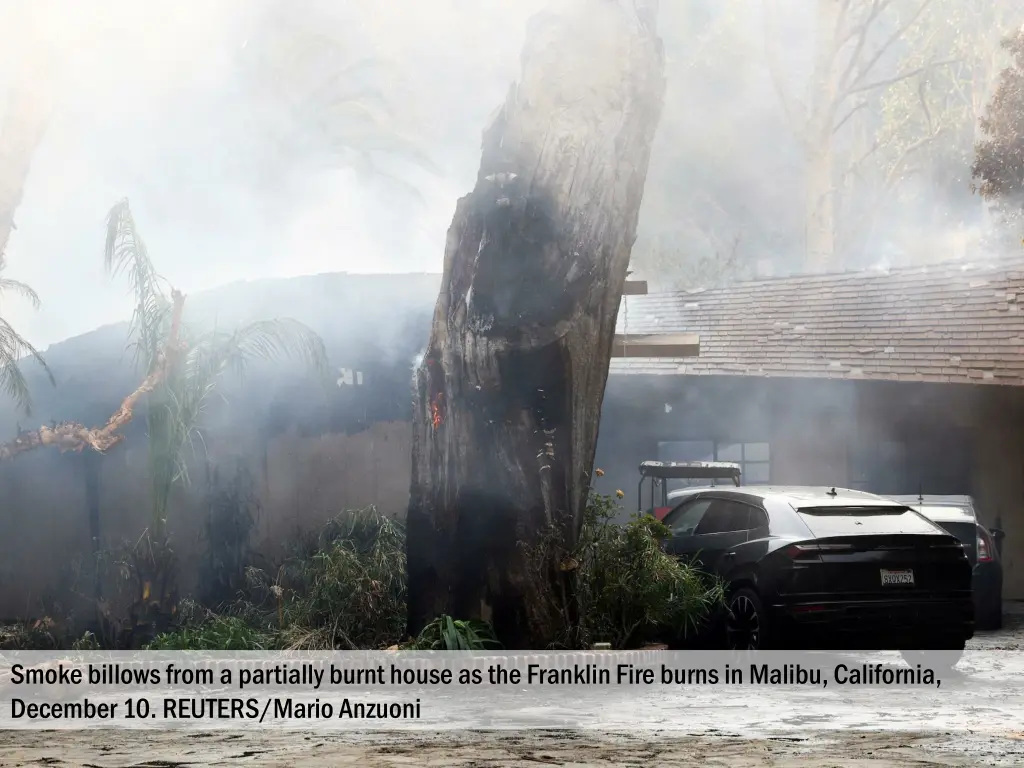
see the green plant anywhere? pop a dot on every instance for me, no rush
(183, 372)
(14, 347)
(183, 369)
(447, 634)
(217, 633)
(628, 587)
(39, 635)
(87, 642)
(343, 588)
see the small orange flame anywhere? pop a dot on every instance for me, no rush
(435, 411)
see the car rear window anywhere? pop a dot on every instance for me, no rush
(855, 520)
(853, 511)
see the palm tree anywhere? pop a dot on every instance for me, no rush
(14, 347)
(182, 373)
(188, 367)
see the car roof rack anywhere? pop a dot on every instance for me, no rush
(692, 470)
(661, 471)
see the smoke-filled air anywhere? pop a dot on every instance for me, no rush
(349, 325)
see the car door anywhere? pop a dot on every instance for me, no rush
(683, 521)
(724, 526)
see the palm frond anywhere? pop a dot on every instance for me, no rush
(13, 348)
(21, 289)
(180, 404)
(280, 338)
(125, 252)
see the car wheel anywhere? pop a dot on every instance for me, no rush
(745, 624)
(991, 618)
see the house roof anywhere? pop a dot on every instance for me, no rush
(361, 318)
(950, 322)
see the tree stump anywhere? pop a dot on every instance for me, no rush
(508, 396)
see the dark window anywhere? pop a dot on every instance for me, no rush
(724, 517)
(758, 519)
(754, 459)
(685, 518)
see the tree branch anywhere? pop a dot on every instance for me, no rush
(71, 436)
(860, 32)
(774, 69)
(853, 86)
(848, 115)
(900, 77)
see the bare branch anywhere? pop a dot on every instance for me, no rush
(860, 32)
(900, 77)
(775, 70)
(837, 41)
(882, 49)
(922, 99)
(910, 149)
(860, 105)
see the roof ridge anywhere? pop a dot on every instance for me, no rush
(968, 266)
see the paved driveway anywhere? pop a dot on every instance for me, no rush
(1009, 638)
(767, 728)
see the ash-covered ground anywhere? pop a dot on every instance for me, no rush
(766, 733)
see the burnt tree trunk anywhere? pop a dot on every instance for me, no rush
(508, 396)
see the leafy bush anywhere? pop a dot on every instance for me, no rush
(39, 635)
(447, 634)
(218, 633)
(87, 642)
(628, 587)
(345, 588)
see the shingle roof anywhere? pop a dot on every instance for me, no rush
(951, 322)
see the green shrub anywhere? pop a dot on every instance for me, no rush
(447, 634)
(38, 635)
(346, 588)
(628, 587)
(87, 642)
(218, 633)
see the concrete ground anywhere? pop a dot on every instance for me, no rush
(1009, 638)
(962, 744)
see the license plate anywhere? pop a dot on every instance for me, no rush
(897, 578)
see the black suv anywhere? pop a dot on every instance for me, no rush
(956, 514)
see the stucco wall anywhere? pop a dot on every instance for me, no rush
(300, 483)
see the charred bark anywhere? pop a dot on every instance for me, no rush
(508, 396)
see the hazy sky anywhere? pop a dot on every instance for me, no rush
(153, 111)
(180, 105)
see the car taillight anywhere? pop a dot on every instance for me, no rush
(984, 550)
(813, 551)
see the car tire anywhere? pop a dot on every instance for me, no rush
(991, 618)
(746, 624)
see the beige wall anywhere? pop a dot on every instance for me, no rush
(302, 482)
